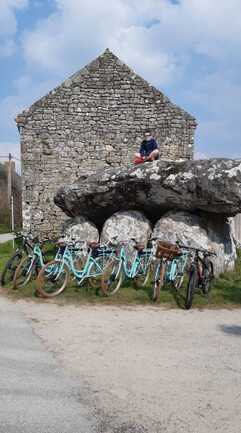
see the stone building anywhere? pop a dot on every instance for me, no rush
(96, 118)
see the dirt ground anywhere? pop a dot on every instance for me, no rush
(147, 369)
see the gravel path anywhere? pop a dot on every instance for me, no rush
(146, 369)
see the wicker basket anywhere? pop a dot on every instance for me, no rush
(167, 250)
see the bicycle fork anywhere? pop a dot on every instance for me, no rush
(159, 279)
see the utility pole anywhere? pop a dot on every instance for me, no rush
(10, 172)
(9, 178)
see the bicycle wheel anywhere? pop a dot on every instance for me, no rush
(143, 273)
(112, 277)
(52, 279)
(159, 275)
(24, 272)
(180, 271)
(192, 284)
(10, 268)
(208, 275)
(177, 283)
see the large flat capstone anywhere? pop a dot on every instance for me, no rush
(211, 186)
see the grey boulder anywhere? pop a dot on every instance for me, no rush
(80, 228)
(214, 234)
(125, 226)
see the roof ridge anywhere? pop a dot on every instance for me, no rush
(76, 77)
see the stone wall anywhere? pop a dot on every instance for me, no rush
(94, 119)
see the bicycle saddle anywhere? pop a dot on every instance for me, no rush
(93, 244)
(61, 242)
(139, 246)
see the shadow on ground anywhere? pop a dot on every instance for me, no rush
(231, 329)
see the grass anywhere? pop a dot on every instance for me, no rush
(4, 228)
(226, 290)
(5, 253)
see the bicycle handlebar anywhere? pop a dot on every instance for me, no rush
(187, 247)
(201, 250)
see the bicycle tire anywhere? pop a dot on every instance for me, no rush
(177, 283)
(207, 277)
(159, 275)
(21, 278)
(112, 277)
(191, 286)
(10, 268)
(46, 283)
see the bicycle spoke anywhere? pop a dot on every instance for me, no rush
(52, 279)
(112, 277)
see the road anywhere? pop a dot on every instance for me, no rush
(36, 394)
(5, 237)
(105, 369)
(150, 369)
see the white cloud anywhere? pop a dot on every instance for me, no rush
(166, 43)
(8, 25)
(78, 28)
(121, 25)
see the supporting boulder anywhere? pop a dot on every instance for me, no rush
(125, 226)
(80, 228)
(214, 234)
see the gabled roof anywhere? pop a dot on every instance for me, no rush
(100, 62)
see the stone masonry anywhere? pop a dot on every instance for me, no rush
(94, 119)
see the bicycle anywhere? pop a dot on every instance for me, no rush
(138, 269)
(29, 265)
(201, 274)
(14, 261)
(53, 277)
(171, 262)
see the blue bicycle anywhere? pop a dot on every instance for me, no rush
(120, 267)
(170, 265)
(54, 276)
(30, 264)
(24, 247)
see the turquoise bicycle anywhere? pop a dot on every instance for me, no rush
(54, 276)
(24, 247)
(170, 265)
(29, 265)
(120, 267)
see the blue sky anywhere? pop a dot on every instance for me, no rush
(190, 49)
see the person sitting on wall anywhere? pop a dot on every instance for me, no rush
(149, 150)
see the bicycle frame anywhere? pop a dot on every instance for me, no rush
(133, 270)
(37, 258)
(176, 267)
(80, 275)
(201, 264)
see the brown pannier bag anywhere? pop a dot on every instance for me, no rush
(167, 250)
